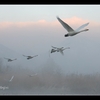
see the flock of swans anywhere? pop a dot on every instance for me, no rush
(28, 57)
(71, 32)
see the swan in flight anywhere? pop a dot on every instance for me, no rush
(11, 79)
(9, 60)
(31, 75)
(30, 57)
(72, 32)
(55, 49)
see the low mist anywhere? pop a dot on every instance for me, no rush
(49, 79)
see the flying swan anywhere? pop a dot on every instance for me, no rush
(9, 60)
(30, 57)
(56, 49)
(72, 32)
(11, 79)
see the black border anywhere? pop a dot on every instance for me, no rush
(48, 97)
(50, 2)
(36, 2)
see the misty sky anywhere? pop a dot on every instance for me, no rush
(33, 29)
(21, 25)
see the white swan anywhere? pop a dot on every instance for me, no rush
(11, 79)
(30, 57)
(9, 60)
(31, 75)
(59, 49)
(72, 32)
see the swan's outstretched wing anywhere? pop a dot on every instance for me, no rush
(15, 59)
(35, 55)
(6, 58)
(82, 26)
(25, 56)
(61, 52)
(66, 48)
(54, 47)
(11, 79)
(65, 25)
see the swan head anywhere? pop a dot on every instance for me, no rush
(66, 35)
(86, 29)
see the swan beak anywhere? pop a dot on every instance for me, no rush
(86, 29)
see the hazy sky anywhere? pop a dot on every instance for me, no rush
(31, 29)
(23, 22)
(23, 13)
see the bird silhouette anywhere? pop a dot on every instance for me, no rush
(30, 57)
(72, 32)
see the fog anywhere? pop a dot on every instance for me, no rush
(75, 72)
(50, 80)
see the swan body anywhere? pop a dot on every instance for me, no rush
(72, 32)
(30, 57)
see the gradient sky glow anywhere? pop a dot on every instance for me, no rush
(32, 29)
(29, 19)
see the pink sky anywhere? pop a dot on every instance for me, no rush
(71, 21)
(44, 25)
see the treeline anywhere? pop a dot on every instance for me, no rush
(52, 79)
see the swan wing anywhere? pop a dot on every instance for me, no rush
(6, 58)
(61, 52)
(82, 26)
(65, 25)
(15, 59)
(35, 55)
(25, 56)
(54, 47)
(66, 48)
(11, 79)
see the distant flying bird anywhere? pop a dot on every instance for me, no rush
(72, 32)
(30, 57)
(32, 75)
(59, 49)
(11, 79)
(9, 60)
